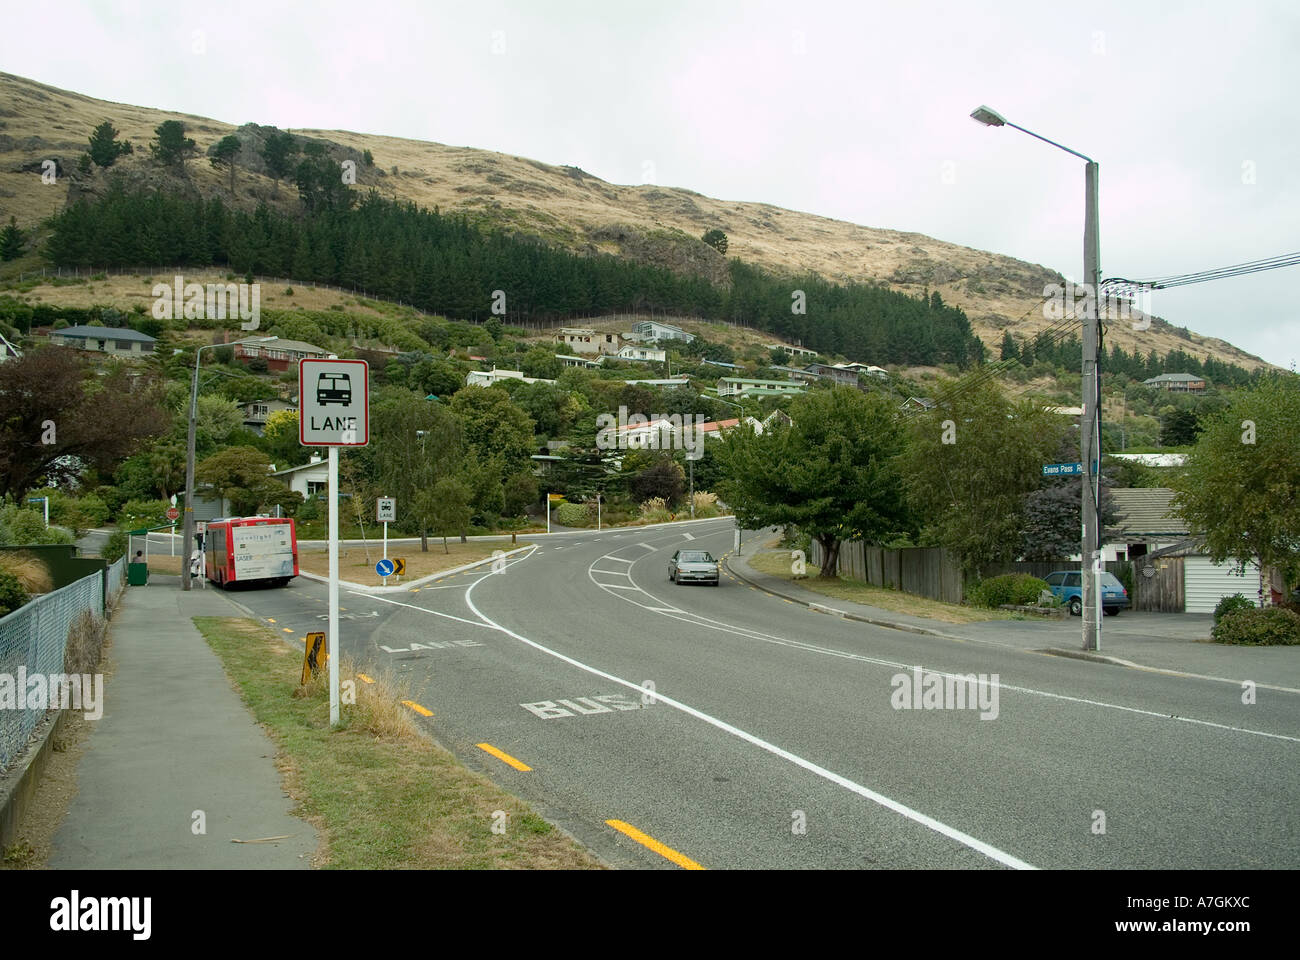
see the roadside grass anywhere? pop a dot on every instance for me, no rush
(777, 564)
(382, 794)
(358, 564)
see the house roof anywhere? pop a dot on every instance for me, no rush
(103, 333)
(298, 346)
(322, 464)
(1175, 378)
(1144, 511)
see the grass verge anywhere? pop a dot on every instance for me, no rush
(381, 793)
(778, 565)
(358, 565)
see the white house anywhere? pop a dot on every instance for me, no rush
(257, 411)
(654, 330)
(581, 362)
(633, 351)
(485, 378)
(309, 479)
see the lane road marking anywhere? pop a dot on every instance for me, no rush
(503, 756)
(668, 853)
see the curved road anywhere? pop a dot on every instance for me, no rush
(670, 726)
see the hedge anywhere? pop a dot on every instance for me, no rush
(1267, 626)
(1021, 589)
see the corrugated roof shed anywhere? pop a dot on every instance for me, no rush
(1146, 511)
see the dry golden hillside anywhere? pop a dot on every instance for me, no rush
(562, 204)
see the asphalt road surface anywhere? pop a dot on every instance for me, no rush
(670, 727)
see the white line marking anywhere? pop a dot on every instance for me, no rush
(687, 536)
(988, 850)
(646, 546)
(614, 573)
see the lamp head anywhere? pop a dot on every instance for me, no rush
(990, 118)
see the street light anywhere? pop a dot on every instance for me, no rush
(187, 529)
(1090, 423)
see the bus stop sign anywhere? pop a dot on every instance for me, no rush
(333, 403)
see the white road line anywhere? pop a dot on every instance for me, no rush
(614, 573)
(618, 586)
(646, 546)
(687, 536)
(965, 839)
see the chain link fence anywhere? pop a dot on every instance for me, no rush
(33, 639)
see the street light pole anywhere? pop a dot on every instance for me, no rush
(187, 529)
(1090, 424)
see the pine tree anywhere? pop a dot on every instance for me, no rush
(12, 241)
(104, 146)
(170, 146)
(1009, 349)
(224, 156)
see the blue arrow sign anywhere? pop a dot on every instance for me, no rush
(384, 568)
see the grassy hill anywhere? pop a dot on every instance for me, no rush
(564, 205)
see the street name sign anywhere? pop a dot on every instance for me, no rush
(333, 403)
(1066, 469)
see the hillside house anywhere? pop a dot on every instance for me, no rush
(632, 351)
(485, 378)
(1177, 383)
(745, 387)
(792, 351)
(279, 354)
(116, 341)
(654, 330)
(579, 340)
(256, 412)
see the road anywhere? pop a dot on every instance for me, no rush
(770, 735)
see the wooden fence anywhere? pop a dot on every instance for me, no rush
(932, 572)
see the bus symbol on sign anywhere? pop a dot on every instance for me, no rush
(334, 388)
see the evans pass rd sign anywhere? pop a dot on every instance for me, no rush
(333, 403)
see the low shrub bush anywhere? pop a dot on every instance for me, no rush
(1269, 626)
(1232, 604)
(1021, 589)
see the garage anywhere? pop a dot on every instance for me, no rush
(1205, 583)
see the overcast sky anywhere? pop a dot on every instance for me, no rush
(856, 110)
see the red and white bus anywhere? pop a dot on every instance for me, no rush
(250, 550)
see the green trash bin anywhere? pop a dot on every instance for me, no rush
(137, 574)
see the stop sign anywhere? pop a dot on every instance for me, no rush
(172, 513)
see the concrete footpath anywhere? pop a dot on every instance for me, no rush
(1173, 642)
(175, 738)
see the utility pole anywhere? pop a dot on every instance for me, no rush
(1090, 424)
(1090, 434)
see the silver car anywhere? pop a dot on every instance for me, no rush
(694, 566)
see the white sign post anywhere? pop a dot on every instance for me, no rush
(385, 510)
(333, 411)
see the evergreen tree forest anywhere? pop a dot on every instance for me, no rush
(443, 264)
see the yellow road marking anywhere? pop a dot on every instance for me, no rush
(668, 853)
(364, 678)
(287, 630)
(422, 711)
(269, 620)
(503, 756)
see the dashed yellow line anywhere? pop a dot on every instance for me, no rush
(422, 711)
(269, 620)
(503, 756)
(668, 853)
(364, 679)
(287, 630)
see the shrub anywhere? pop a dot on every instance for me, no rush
(1021, 589)
(655, 510)
(115, 546)
(30, 570)
(23, 525)
(1267, 626)
(1232, 604)
(288, 291)
(12, 594)
(706, 504)
(147, 513)
(573, 515)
